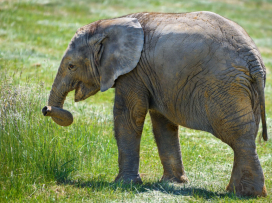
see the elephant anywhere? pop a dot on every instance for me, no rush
(198, 70)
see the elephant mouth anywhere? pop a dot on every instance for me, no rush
(83, 91)
(78, 93)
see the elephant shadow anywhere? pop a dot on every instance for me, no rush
(151, 186)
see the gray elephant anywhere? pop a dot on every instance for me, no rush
(198, 70)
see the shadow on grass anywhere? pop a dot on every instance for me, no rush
(164, 187)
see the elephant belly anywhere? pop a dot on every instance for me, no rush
(186, 107)
(204, 100)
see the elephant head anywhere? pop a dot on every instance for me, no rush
(97, 55)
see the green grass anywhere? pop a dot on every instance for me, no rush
(41, 161)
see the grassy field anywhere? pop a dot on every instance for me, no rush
(41, 161)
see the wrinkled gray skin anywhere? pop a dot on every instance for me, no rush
(198, 70)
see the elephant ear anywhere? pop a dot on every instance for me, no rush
(117, 48)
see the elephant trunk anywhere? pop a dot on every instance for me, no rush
(55, 103)
(59, 115)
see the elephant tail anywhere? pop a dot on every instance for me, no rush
(260, 89)
(257, 71)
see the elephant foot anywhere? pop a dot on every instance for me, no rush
(244, 189)
(136, 179)
(174, 179)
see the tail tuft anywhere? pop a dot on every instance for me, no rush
(264, 133)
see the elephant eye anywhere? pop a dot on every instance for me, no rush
(71, 66)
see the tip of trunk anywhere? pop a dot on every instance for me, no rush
(60, 116)
(46, 109)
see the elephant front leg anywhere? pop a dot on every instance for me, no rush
(166, 136)
(128, 125)
(128, 142)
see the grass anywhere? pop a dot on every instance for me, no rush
(41, 161)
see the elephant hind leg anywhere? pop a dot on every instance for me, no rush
(237, 127)
(247, 178)
(166, 136)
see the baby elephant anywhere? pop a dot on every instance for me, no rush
(198, 70)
